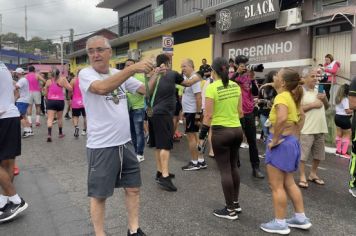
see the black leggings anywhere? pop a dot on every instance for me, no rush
(226, 143)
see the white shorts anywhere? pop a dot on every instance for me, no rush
(35, 98)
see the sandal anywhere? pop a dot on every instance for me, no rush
(303, 184)
(316, 181)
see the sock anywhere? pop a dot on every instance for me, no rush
(49, 131)
(29, 119)
(281, 221)
(37, 118)
(300, 216)
(15, 199)
(200, 160)
(345, 145)
(338, 144)
(195, 162)
(60, 130)
(3, 200)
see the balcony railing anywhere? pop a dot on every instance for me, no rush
(167, 10)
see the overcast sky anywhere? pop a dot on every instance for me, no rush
(52, 18)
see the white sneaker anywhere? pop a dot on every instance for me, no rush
(244, 145)
(140, 158)
(352, 191)
(181, 122)
(84, 133)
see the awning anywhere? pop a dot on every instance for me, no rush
(348, 17)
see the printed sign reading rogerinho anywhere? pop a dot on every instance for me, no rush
(271, 48)
(247, 13)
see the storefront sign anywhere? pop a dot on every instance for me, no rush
(167, 44)
(277, 47)
(247, 13)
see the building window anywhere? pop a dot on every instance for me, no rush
(81, 60)
(121, 49)
(136, 21)
(321, 5)
(323, 30)
(169, 8)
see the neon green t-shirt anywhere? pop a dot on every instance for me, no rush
(225, 103)
(286, 99)
(136, 100)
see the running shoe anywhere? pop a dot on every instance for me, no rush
(347, 156)
(49, 139)
(140, 158)
(202, 165)
(226, 214)
(12, 210)
(295, 223)
(67, 117)
(180, 122)
(166, 184)
(237, 207)
(54, 121)
(244, 145)
(26, 134)
(138, 233)
(76, 132)
(61, 136)
(191, 166)
(30, 133)
(159, 175)
(84, 132)
(352, 191)
(274, 227)
(16, 170)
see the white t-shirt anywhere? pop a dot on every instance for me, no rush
(24, 90)
(108, 123)
(342, 106)
(189, 103)
(7, 98)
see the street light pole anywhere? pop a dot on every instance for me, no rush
(62, 54)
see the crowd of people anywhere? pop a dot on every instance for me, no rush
(220, 103)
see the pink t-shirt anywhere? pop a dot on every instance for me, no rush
(33, 83)
(247, 99)
(55, 92)
(77, 99)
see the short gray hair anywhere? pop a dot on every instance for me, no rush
(307, 71)
(98, 37)
(189, 62)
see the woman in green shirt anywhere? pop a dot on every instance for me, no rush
(223, 111)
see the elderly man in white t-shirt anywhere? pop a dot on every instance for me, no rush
(312, 138)
(111, 156)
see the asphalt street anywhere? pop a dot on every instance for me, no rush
(53, 182)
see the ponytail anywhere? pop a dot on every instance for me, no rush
(297, 95)
(293, 84)
(221, 67)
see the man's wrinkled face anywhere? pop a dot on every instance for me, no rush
(99, 54)
(186, 68)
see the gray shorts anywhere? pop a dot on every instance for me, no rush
(112, 167)
(35, 98)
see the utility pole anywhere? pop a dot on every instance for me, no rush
(0, 37)
(71, 40)
(26, 22)
(62, 54)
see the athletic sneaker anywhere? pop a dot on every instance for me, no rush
(140, 158)
(295, 223)
(191, 166)
(67, 117)
(12, 210)
(30, 133)
(16, 170)
(226, 214)
(347, 156)
(166, 184)
(237, 207)
(159, 174)
(244, 145)
(84, 132)
(76, 132)
(202, 165)
(26, 134)
(139, 233)
(352, 191)
(274, 227)
(49, 139)
(61, 135)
